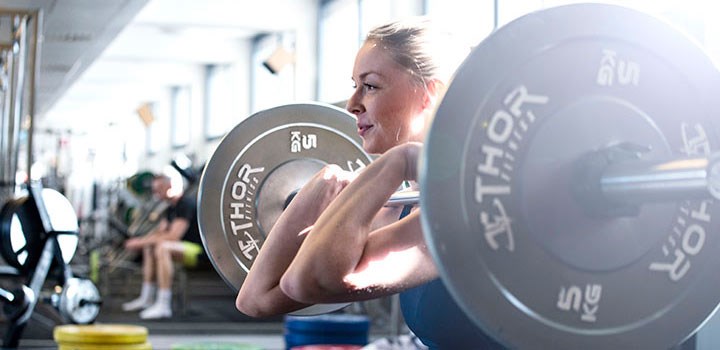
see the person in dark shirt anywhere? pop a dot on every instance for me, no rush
(175, 239)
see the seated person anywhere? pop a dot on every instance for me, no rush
(176, 238)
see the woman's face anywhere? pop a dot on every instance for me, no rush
(388, 103)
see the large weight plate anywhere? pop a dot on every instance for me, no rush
(21, 233)
(518, 253)
(22, 229)
(256, 167)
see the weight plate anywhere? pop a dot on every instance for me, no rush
(74, 346)
(80, 301)
(100, 334)
(519, 254)
(21, 233)
(256, 167)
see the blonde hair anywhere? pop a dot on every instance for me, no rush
(418, 45)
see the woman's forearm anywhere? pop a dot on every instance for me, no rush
(334, 248)
(260, 294)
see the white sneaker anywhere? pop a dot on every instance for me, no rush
(137, 304)
(156, 311)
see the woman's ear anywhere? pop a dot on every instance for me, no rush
(434, 92)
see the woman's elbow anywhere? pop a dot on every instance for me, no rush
(296, 288)
(308, 290)
(246, 306)
(252, 306)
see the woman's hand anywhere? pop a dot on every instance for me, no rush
(348, 256)
(260, 294)
(316, 195)
(411, 152)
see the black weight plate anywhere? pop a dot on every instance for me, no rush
(517, 252)
(21, 233)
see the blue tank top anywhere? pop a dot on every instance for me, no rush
(432, 314)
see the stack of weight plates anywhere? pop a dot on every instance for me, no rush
(101, 337)
(328, 329)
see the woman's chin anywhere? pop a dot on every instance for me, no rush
(370, 151)
(368, 146)
(375, 150)
(372, 147)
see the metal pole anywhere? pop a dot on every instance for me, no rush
(16, 89)
(636, 182)
(34, 67)
(403, 198)
(5, 177)
(496, 15)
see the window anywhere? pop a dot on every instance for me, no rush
(273, 71)
(376, 12)
(180, 116)
(226, 97)
(469, 21)
(339, 40)
(157, 132)
(218, 112)
(695, 18)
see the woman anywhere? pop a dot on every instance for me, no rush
(337, 241)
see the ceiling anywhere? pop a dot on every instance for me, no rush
(103, 58)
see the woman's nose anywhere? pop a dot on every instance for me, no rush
(353, 104)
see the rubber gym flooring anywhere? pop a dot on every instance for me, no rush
(207, 314)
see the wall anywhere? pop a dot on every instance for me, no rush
(305, 80)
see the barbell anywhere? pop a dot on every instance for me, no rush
(568, 182)
(627, 184)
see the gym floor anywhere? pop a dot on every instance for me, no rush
(207, 314)
(204, 313)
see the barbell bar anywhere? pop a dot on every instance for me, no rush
(568, 182)
(404, 198)
(637, 182)
(399, 198)
(682, 178)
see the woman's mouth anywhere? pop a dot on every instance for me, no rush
(363, 129)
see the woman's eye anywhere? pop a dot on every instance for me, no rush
(365, 86)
